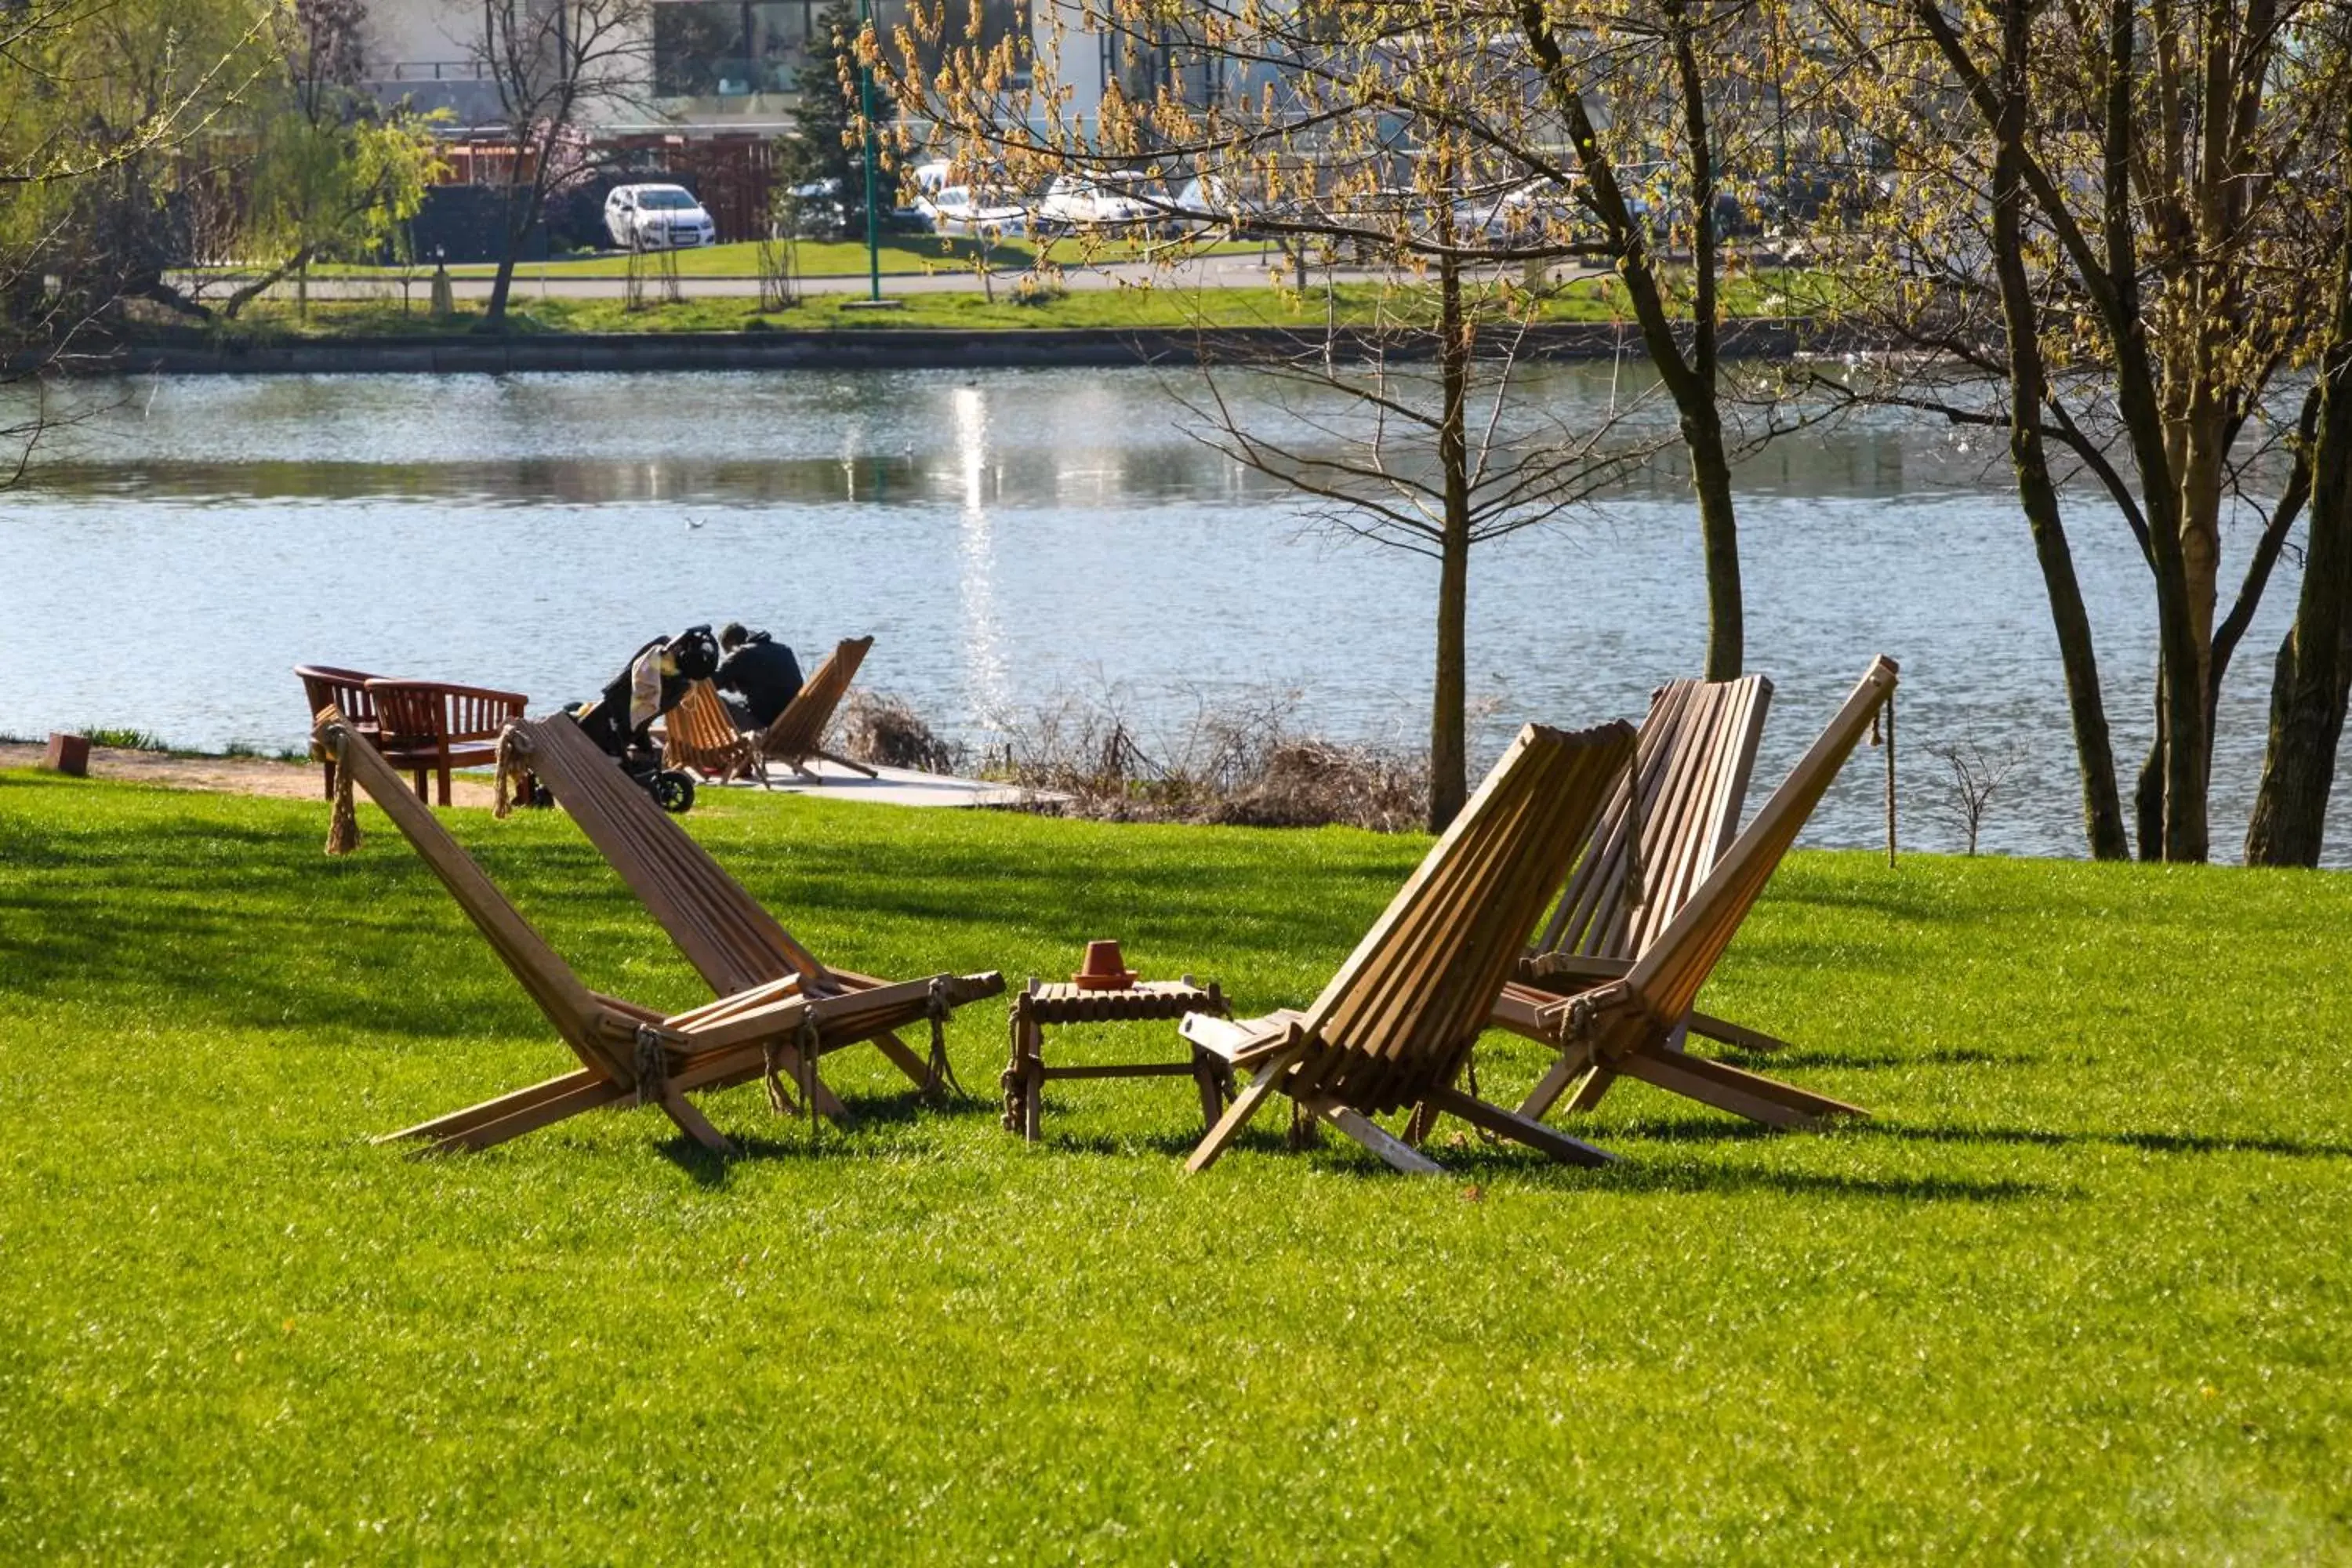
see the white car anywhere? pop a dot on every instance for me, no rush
(1090, 201)
(979, 211)
(657, 217)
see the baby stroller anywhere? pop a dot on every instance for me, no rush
(653, 683)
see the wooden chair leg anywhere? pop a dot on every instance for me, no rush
(692, 1123)
(846, 763)
(1739, 1036)
(1208, 1078)
(530, 1119)
(902, 1056)
(330, 781)
(1518, 1129)
(420, 786)
(1565, 1069)
(1592, 1087)
(441, 777)
(451, 1123)
(1395, 1151)
(1726, 1087)
(1244, 1106)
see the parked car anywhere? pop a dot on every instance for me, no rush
(1109, 201)
(976, 211)
(657, 217)
(1209, 201)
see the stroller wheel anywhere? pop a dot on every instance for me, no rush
(673, 792)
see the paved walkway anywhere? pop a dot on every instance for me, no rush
(895, 787)
(302, 781)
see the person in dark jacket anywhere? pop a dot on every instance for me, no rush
(760, 674)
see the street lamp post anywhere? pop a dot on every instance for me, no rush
(866, 117)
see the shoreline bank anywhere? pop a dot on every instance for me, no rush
(879, 347)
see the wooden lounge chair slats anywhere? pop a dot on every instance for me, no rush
(728, 937)
(738, 948)
(1697, 749)
(626, 1050)
(1394, 1023)
(798, 733)
(1633, 1023)
(701, 733)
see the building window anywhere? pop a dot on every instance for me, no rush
(728, 48)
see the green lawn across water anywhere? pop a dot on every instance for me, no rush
(2079, 1292)
(900, 254)
(1134, 307)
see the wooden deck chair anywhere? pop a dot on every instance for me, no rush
(798, 733)
(701, 733)
(1698, 751)
(728, 937)
(627, 1052)
(1632, 1023)
(1392, 1027)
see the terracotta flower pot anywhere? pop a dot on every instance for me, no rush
(1104, 970)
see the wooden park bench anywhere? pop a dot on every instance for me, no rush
(324, 686)
(430, 726)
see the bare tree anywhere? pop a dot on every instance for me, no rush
(2312, 677)
(2111, 209)
(1437, 146)
(1423, 441)
(554, 64)
(1977, 776)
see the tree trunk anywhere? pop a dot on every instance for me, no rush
(520, 209)
(2103, 817)
(2314, 673)
(1449, 762)
(1719, 528)
(1691, 381)
(2148, 793)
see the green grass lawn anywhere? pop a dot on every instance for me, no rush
(2078, 1293)
(1589, 300)
(900, 254)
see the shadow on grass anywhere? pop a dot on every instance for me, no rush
(1176, 1145)
(1864, 1061)
(795, 1141)
(1634, 1176)
(2151, 1142)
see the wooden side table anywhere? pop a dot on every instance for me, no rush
(1064, 1003)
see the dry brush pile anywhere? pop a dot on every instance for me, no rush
(1233, 760)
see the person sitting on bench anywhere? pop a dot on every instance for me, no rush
(759, 675)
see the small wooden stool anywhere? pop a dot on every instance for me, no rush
(1064, 1003)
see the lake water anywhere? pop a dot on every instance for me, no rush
(1016, 535)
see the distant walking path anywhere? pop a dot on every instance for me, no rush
(303, 781)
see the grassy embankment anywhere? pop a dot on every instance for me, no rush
(1128, 308)
(901, 255)
(2080, 1293)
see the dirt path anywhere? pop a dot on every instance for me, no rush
(226, 775)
